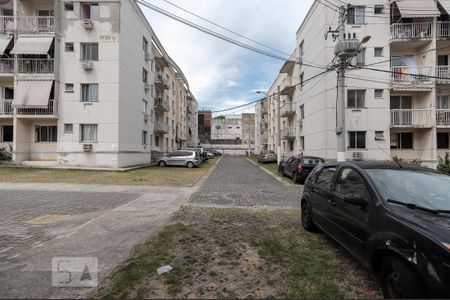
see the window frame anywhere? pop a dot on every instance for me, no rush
(357, 147)
(92, 55)
(354, 20)
(69, 47)
(399, 140)
(51, 134)
(356, 91)
(144, 137)
(437, 140)
(82, 139)
(66, 126)
(83, 93)
(379, 49)
(2, 132)
(375, 93)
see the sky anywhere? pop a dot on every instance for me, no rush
(222, 75)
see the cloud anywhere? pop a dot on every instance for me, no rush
(220, 74)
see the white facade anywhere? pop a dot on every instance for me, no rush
(87, 90)
(394, 114)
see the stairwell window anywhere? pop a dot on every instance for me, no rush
(69, 47)
(356, 98)
(144, 138)
(144, 75)
(89, 92)
(68, 128)
(46, 134)
(89, 51)
(356, 15)
(88, 133)
(89, 11)
(357, 140)
(378, 52)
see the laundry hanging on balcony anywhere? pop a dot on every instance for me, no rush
(32, 45)
(4, 42)
(32, 93)
(418, 8)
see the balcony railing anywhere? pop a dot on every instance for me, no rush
(415, 118)
(161, 128)
(443, 29)
(287, 110)
(6, 65)
(411, 31)
(51, 109)
(288, 133)
(443, 117)
(443, 73)
(411, 75)
(160, 79)
(36, 65)
(6, 24)
(32, 24)
(6, 107)
(160, 103)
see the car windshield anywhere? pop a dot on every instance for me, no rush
(269, 152)
(313, 161)
(424, 188)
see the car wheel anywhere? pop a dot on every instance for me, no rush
(190, 164)
(399, 280)
(162, 164)
(307, 221)
(296, 177)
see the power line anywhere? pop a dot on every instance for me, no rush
(400, 73)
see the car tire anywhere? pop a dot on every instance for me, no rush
(296, 177)
(400, 280)
(190, 164)
(162, 164)
(307, 220)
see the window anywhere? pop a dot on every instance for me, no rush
(151, 115)
(302, 112)
(68, 88)
(151, 140)
(378, 52)
(68, 5)
(46, 134)
(291, 146)
(89, 11)
(442, 102)
(360, 59)
(152, 65)
(355, 15)
(325, 177)
(89, 51)
(145, 103)
(378, 9)
(378, 93)
(350, 181)
(69, 47)
(173, 144)
(302, 142)
(442, 140)
(402, 140)
(357, 139)
(379, 135)
(167, 143)
(89, 92)
(301, 50)
(302, 76)
(88, 133)
(144, 44)
(7, 133)
(68, 128)
(144, 75)
(157, 141)
(356, 98)
(218, 127)
(144, 137)
(151, 90)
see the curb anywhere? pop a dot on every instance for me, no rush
(271, 174)
(203, 179)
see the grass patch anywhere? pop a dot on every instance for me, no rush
(237, 253)
(149, 176)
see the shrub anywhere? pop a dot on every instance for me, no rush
(414, 161)
(5, 155)
(444, 164)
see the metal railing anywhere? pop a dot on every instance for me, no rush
(6, 24)
(287, 109)
(443, 29)
(411, 118)
(51, 109)
(443, 117)
(162, 103)
(31, 24)
(161, 128)
(6, 107)
(414, 75)
(288, 133)
(161, 79)
(411, 31)
(36, 65)
(443, 73)
(6, 65)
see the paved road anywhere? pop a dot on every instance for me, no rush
(42, 221)
(238, 182)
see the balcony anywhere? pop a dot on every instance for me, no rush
(443, 117)
(288, 134)
(287, 110)
(36, 66)
(411, 31)
(411, 118)
(443, 30)
(161, 128)
(6, 65)
(50, 110)
(161, 81)
(6, 24)
(6, 108)
(33, 24)
(289, 88)
(443, 74)
(411, 78)
(161, 104)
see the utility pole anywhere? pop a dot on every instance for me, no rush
(279, 125)
(340, 105)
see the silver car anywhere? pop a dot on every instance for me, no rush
(182, 158)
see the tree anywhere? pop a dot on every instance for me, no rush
(444, 164)
(5, 155)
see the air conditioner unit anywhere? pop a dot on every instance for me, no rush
(147, 56)
(88, 147)
(145, 117)
(146, 86)
(87, 23)
(357, 156)
(87, 65)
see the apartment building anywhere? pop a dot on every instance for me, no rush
(88, 83)
(204, 126)
(400, 109)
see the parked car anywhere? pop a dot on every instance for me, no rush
(266, 156)
(210, 155)
(213, 151)
(298, 167)
(202, 151)
(182, 158)
(393, 217)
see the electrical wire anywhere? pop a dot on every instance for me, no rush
(400, 73)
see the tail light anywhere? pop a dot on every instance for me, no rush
(300, 168)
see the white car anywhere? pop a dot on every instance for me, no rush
(181, 158)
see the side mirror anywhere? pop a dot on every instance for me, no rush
(355, 199)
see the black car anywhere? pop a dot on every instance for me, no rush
(394, 218)
(298, 167)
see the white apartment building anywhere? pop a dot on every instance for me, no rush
(87, 83)
(398, 111)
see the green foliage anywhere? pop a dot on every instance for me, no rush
(5, 155)
(414, 161)
(444, 164)
(219, 118)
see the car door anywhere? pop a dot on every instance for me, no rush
(178, 158)
(351, 220)
(290, 165)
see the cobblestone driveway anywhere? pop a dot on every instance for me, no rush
(237, 182)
